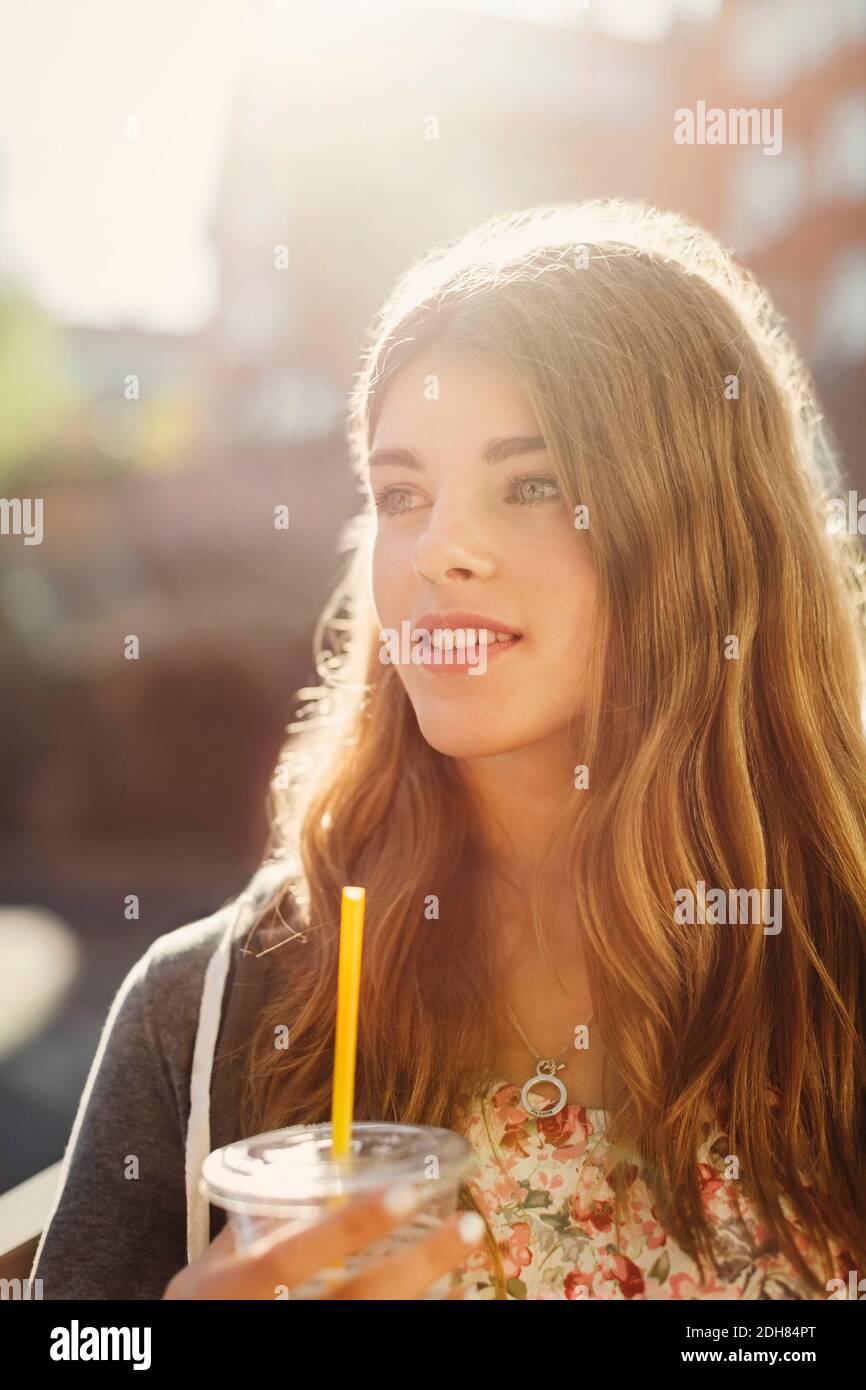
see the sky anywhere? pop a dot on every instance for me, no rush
(104, 227)
(113, 115)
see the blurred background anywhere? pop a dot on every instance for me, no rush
(202, 203)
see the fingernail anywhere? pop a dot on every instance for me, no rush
(470, 1227)
(401, 1200)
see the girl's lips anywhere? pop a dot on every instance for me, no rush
(463, 620)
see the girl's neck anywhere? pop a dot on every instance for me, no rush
(518, 800)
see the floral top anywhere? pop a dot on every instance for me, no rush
(542, 1186)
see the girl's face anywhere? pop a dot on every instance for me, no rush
(473, 532)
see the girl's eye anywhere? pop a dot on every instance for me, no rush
(526, 491)
(529, 490)
(393, 501)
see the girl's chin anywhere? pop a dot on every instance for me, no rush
(468, 738)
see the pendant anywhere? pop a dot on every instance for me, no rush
(546, 1071)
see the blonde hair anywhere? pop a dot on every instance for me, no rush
(680, 417)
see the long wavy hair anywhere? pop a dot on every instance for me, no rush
(679, 415)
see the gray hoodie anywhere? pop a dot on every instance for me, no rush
(162, 1091)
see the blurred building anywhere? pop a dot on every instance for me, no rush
(798, 219)
(355, 150)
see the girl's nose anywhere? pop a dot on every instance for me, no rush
(451, 547)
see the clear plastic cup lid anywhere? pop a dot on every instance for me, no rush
(295, 1164)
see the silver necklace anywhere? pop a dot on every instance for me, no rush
(545, 1070)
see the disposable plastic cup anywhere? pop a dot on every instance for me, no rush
(290, 1177)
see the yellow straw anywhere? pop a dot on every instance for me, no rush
(346, 1049)
(348, 992)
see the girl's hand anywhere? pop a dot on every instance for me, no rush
(279, 1260)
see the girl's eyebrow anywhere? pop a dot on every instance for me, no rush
(495, 451)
